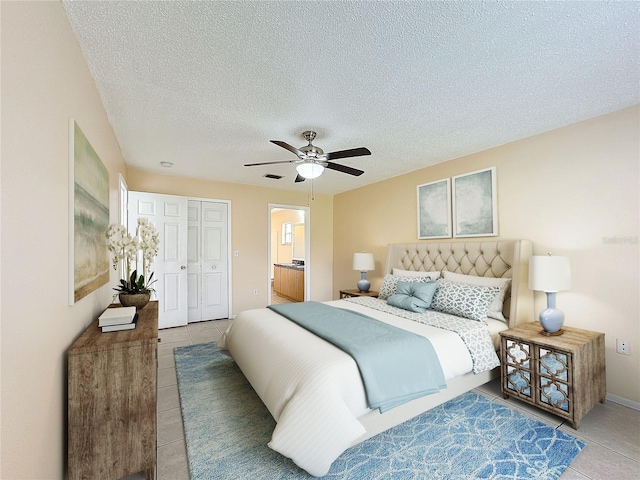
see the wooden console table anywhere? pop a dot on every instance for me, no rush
(112, 400)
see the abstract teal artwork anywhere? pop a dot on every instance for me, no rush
(434, 210)
(475, 208)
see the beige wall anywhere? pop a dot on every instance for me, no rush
(572, 191)
(45, 82)
(250, 232)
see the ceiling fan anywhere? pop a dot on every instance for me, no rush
(312, 160)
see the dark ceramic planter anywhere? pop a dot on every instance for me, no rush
(138, 300)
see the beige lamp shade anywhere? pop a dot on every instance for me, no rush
(548, 273)
(363, 262)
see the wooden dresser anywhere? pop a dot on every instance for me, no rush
(112, 400)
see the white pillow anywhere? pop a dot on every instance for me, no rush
(495, 308)
(433, 276)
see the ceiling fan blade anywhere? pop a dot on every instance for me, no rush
(299, 178)
(269, 163)
(293, 150)
(344, 169)
(352, 152)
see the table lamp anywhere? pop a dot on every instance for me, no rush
(363, 262)
(550, 274)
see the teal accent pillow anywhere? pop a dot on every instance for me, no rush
(390, 282)
(412, 296)
(423, 291)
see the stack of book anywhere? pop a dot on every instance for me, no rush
(118, 318)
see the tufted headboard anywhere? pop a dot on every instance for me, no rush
(498, 259)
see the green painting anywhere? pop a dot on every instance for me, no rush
(90, 217)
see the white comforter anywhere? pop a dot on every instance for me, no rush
(313, 389)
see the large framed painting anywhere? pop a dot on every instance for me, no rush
(475, 206)
(434, 210)
(89, 209)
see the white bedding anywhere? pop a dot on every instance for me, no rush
(313, 389)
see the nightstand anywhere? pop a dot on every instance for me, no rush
(357, 293)
(564, 375)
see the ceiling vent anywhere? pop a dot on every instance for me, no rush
(271, 175)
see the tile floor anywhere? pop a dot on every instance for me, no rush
(611, 431)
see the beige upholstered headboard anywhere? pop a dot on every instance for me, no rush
(499, 259)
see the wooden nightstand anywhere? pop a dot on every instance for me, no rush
(357, 293)
(564, 375)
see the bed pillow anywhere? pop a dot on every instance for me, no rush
(390, 282)
(413, 273)
(407, 302)
(413, 296)
(464, 299)
(423, 291)
(495, 308)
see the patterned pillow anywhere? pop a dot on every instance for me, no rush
(464, 300)
(495, 308)
(390, 283)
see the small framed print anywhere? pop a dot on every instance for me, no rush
(434, 209)
(475, 206)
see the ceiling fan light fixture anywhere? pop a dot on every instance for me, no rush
(310, 170)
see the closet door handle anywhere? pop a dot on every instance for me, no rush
(213, 267)
(182, 267)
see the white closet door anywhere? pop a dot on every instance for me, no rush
(194, 262)
(208, 266)
(169, 214)
(215, 267)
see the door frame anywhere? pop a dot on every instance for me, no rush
(229, 248)
(307, 246)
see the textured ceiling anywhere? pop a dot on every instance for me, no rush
(206, 85)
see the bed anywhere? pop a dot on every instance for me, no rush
(314, 390)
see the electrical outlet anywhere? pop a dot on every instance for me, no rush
(255, 291)
(623, 347)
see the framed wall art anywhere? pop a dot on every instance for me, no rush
(434, 209)
(475, 206)
(88, 217)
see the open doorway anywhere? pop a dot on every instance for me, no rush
(289, 255)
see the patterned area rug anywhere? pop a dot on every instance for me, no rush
(227, 429)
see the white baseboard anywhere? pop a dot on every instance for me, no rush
(623, 401)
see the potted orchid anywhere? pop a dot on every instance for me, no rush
(142, 247)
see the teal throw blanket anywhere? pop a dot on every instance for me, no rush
(396, 366)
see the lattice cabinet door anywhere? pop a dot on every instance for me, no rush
(555, 380)
(517, 368)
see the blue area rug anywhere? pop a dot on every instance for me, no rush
(227, 429)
